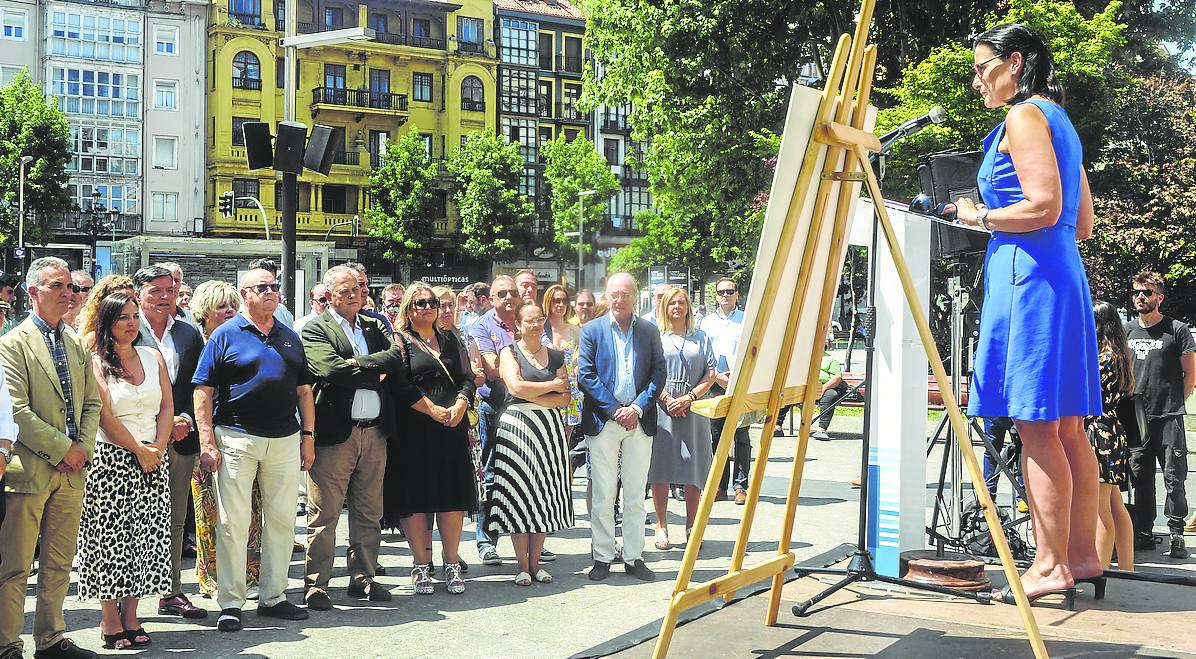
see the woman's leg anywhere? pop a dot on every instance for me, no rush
(1123, 525)
(693, 497)
(415, 527)
(450, 535)
(660, 500)
(1085, 494)
(1106, 532)
(534, 545)
(520, 542)
(110, 617)
(1048, 487)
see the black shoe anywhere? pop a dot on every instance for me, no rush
(1177, 547)
(283, 610)
(64, 649)
(229, 621)
(318, 600)
(639, 570)
(12, 653)
(371, 589)
(600, 571)
(301, 510)
(546, 556)
(1144, 542)
(379, 570)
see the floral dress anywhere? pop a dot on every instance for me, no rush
(1105, 431)
(572, 411)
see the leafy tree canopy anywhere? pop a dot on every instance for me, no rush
(570, 168)
(31, 126)
(401, 190)
(495, 217)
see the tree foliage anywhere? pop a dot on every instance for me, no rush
(401, 190)
(29, 125)
(569, 168)
(495, 217)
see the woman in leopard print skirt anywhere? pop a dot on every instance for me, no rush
(124, 535)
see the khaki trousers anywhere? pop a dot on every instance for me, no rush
(54, 514)
(352, 470)
(181, 469)
(274, 462)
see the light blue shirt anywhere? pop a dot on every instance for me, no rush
(624, 390)
(723, 332)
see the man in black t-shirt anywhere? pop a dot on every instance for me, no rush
(1164, 373)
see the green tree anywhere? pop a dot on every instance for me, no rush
(495, 217)
(571, 167)
(401, 190)
(29, 125)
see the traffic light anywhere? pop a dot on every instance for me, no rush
(227, 201)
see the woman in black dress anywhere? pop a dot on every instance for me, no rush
(1107, 436)
(431, 471)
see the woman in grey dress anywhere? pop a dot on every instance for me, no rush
(681, 449)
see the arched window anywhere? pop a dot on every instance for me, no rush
(473, 95)
(247, 71)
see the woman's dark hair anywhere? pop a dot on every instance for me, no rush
(1037, 76)
(110, 310)
(1110, 338)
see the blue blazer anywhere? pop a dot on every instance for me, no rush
(597, 365)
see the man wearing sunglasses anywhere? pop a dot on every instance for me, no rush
(724, 327)
(1164, 374)
(80, 291)
(317, 299)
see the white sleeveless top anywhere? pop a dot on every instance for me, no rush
(137, 406)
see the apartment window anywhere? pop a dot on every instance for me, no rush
(280, 73)
(334, 76)
(165, 207)
(166, 40)
(544, 98)
(473, 94)
(421, 87)
(523, 133)
(246, 187)
(335, 199)
(421, 27)
(334, 18)
(469, 33)
(636, 198)
(247, 71)
(545, 135)
(166, 95)
(572, 55)
(247, 12)
(166, 152)
(8, 74)
(97, 93)
(427, 138)
(610, 149)
(518, 91)
(104, 148)
(379, 22)
(518, 41)
(123, 198)
(14, 24)
(91, 37)
(570, 97)
(546, 51)
(238, 130)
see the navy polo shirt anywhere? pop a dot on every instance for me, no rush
(255, 377)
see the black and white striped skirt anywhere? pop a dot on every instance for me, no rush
(531, 490)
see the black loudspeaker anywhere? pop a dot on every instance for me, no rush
(288, 147)
(946, 177)
(259, 147)
(322, 146)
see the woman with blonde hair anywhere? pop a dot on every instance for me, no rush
(107, 285)
(681, 448)
(564, 335)
(213, 303)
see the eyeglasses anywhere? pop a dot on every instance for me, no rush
(321, 300)
(81, 289)
(727, 292)
(262, 288)
(979, 68)
(1147, 292)
(426, 303)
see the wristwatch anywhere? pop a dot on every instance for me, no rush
(982, 216)
(6, 453)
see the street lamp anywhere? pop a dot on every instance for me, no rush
(94, 225)
(581, 218)
(25, 160)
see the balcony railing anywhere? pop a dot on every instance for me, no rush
(390, 38)
(471, 47)
(473, 106)
(247, 83)
(568, 64)
(359, 98)
(76, 222)
(546, 62)
(614, 122)
(571, 113)
(251, 20)
(425, 42)
(375, 160)
(352, 158)
(619, 225)
(543, 108)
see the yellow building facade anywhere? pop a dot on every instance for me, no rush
(431, 67)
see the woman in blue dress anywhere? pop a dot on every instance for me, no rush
(1037, 359)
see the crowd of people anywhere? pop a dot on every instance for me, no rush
(134, 418)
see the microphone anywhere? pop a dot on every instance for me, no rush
(935, 116)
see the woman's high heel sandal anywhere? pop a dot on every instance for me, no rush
(1098, 584)
(1005, 596)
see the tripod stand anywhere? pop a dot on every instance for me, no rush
(861, 568)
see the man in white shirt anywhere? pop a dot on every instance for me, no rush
(723, 328)
(657, 294)
(8, 436)
(317, 298)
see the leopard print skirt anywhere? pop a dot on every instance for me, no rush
(124, 533)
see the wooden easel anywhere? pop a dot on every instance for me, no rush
(839, 130)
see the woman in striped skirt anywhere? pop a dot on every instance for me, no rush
(530, 497)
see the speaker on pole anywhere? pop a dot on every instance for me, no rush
(288, 147)
(259, 148)
(322, 146)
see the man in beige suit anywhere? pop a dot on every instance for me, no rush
(56, 406)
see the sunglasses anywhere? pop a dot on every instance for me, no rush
(426, 303)
(81, 289)
(321, 300)
(1138, 292)
(979, 68)
(502, 294)
(727, 292)
(262, 288)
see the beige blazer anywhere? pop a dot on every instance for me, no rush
(39, 406)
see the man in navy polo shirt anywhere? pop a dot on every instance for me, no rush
(251, 377)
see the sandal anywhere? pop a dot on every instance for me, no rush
(117, 641)
(421, 581)
(1005, 596)
(542, 576)
(454, 584)
(138, 637)
(523, 579)
(662, 539)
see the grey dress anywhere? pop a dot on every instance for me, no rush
(681, 452)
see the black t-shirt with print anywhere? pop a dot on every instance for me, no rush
(1158, 375)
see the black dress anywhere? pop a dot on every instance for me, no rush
(1105, 433)
(429, 468)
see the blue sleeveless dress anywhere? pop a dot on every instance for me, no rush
(1037, 355)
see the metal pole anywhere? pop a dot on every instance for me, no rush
(290, 182)
(21, 203)
(581, 218)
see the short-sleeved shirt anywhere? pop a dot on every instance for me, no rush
(491, 335)
(1158, 375)
(724, 334)
(831, 368)
(255, 377)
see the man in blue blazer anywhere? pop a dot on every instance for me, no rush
(621, 370)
